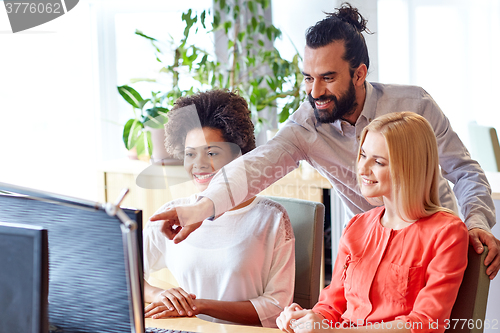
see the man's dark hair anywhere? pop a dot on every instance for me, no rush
(216, 109)
(347, 25)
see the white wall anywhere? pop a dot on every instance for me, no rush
(60, 113)
(294, 18)
(123, 56)
(48, 118)
(450, 49)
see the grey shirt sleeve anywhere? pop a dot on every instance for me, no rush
(471, 187)
(253, 172)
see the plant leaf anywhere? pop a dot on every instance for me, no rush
(217, 20)
(227, 26)
(251, 7)
(140, 33)
(144, 144)
(202, 19)
(155, 117)
(284, 114)
(131, 96)
(241, 35)
(131, 131)
(254, 23)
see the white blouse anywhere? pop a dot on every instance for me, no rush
(245, 254)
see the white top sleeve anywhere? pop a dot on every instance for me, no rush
(277, 293)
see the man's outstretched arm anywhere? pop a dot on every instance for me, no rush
(180, 221)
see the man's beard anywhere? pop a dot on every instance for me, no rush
(341, 107)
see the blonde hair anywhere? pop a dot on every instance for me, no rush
(413, 162)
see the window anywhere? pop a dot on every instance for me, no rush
(447, 47)
(48, 113)
(124, 56)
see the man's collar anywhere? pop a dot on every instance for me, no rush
(370, 105)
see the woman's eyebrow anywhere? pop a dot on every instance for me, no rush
(205, 147)
(375, 156)
(213, 146)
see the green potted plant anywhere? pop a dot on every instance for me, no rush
(144, 132)
(255, 68)
(257, 72)
(136, 133)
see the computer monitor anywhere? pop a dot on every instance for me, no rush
(24, 278)
(95, 265)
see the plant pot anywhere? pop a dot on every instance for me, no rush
(158, 140)
(132, 155)
(160, 155)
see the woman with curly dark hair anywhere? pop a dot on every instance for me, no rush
(245, 273)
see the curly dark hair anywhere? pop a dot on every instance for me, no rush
(217, 109)
(347, 25)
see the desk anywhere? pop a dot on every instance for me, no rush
(198, 325)
(194, 324)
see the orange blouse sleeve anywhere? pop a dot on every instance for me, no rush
(332, 302)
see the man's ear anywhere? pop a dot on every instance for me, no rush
(358, 79)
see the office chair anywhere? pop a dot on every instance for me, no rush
(469, 310)
(307, 218)
(484, 146)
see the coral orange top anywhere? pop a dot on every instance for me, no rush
(412, 274)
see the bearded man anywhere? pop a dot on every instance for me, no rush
(325, 132)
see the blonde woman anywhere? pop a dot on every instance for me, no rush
(399, 266)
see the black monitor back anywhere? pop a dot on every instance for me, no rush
(87, 274)
(23, 278)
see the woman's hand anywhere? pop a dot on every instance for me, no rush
(295, 319)
(174, 302)
(158, 310)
